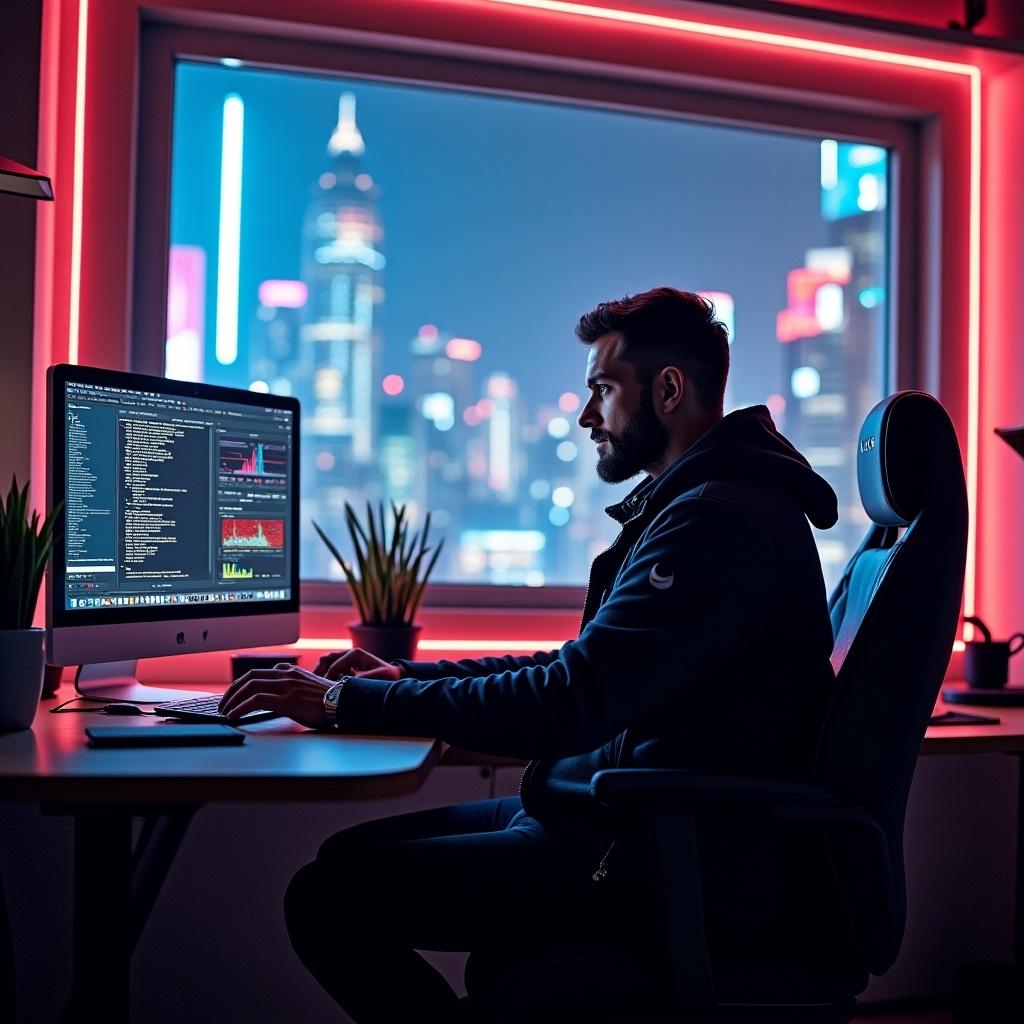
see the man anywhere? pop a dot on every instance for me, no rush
(705, 644)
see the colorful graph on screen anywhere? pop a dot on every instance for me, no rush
(252, 458)
(252, 534)
(233, 571)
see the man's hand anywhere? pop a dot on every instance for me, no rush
(286, 689)
(356, 662)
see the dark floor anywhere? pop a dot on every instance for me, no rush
(920, 1017)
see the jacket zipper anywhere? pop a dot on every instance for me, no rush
(602, 868)
(601, 871)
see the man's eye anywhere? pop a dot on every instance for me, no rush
(601, 389)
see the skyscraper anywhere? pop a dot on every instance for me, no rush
(341, 266)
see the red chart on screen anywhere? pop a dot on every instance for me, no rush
(266, 534)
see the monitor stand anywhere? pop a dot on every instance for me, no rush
(115, 680)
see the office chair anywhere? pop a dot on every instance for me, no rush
(894, 617)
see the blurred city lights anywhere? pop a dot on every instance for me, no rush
(428, 332)
(871, 297)
(776, 404)
(558, 427)
(562, 497)
(828, 306)
(568, 402)
(567, 451)
(283, 294)
(439, 407)
(806, 382)
(558, 516)
(870, 189)
(539, 489)
(465, 349)
(393, 384)
(260, 386)
(501, 385)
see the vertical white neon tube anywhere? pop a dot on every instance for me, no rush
(230, 230)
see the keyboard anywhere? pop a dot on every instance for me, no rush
(205, 709)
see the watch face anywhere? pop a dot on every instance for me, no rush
(332, 694)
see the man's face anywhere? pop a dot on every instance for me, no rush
(620, 414)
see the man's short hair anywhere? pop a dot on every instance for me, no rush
(666, 327)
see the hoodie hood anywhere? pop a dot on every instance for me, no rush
(745, 445)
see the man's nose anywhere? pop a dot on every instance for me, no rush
(586, 417)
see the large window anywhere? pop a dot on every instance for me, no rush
(410, 262)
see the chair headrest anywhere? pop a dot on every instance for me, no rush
(902, 445)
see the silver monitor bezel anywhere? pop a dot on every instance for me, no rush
(76, 637)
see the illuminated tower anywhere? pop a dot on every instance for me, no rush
(341, 266)
(338, 343)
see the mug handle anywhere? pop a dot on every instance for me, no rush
(1016, 636)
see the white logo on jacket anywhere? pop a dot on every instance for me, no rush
(660, 581)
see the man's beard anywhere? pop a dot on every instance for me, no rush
(642, 442)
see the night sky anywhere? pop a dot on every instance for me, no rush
(504, 220)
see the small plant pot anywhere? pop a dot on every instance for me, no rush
(386, 642)
(23, 658)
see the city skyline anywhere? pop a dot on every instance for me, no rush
(502, 350)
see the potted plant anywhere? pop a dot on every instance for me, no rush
(24, 548)
(393, 570)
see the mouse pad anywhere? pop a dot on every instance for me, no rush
(163, 736)
(962, 718)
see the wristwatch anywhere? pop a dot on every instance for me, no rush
(331, 696)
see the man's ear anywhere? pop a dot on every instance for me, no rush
(670, 387)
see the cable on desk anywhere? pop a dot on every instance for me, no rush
(63, 709)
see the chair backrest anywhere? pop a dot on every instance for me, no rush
(894, 620)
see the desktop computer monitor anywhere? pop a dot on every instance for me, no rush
(178, 529)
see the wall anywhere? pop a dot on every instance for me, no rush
(961, 809)
(1004, 19)
(19, 114)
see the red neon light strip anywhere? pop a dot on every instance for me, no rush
(75, 296)
(338, 643)
(696, 28)
(969, 71)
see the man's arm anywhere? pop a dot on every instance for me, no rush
(466, 668)
(694, 595)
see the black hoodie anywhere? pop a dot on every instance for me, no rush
(705, 641)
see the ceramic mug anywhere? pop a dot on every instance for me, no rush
(987, 662)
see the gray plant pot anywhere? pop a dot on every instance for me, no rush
(22, 655)
(386, 642)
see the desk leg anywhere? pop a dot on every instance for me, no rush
(102, 917)
(1018, 899)
(155, 850)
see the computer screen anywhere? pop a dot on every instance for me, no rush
(179, 504)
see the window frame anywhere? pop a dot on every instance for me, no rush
(529, 76)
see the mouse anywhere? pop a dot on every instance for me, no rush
(122, 709)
